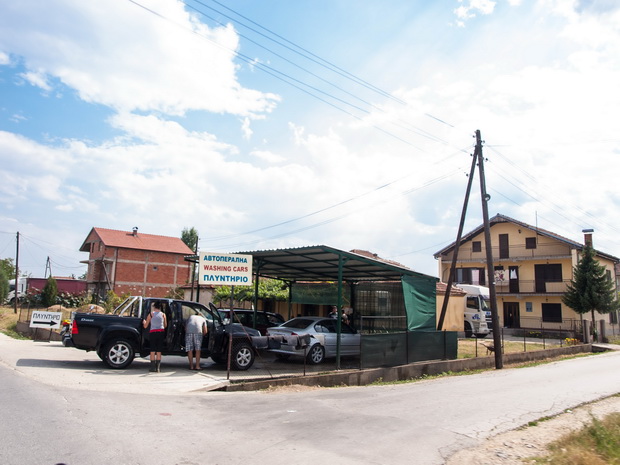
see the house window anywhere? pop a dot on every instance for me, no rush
(530, 242)
(552, 313)
(550, 273)
(469, 276)
(476, 246)
(504, 248)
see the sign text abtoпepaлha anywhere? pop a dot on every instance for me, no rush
(225, 269)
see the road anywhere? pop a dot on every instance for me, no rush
(49, 421)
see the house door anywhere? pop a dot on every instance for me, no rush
(511, 315)
(513, 279)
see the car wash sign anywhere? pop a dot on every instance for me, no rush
(225, 269)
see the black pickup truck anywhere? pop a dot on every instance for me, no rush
(119, 337)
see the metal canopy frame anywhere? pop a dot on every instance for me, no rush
(323, 263)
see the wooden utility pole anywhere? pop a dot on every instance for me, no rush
(477, 159)
(457, 244)
(497, 337)
(16, 276)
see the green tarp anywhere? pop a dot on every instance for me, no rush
(420, 296)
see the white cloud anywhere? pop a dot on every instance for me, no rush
(268, 156)
(469, 8)
(118, 54)
(37, 79)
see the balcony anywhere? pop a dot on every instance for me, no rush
(531, 287)
(515, 253)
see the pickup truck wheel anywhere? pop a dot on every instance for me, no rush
(242, 356)
(316, 354)
(118, 353)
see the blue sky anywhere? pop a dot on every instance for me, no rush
(290, 123)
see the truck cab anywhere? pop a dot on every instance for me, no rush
(477, 312)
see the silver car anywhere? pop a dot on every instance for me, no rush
(322, 338)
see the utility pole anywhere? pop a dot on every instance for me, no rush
(497, 337)
(48, 266)
(457, 244)
(16, 276)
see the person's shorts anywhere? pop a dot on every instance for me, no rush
(157, 340)
(193, 341)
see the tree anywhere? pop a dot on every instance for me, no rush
(190, 237)
(268, 290)
(7, 265)
(4, 285)
(49, 292)
(590, 289)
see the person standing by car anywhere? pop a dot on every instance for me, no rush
(157, 320)
(195, 330)
(334, 312)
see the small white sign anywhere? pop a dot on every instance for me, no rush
(225, 269)
(49, 320)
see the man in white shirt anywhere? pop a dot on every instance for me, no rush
(195, 329)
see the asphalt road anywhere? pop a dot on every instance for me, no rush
(59, 410)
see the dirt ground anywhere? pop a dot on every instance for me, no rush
(514, 447)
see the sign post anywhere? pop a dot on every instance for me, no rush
(47, 320)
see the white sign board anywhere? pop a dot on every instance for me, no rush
(225, 269)
(49, 320)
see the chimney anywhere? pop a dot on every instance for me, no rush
(135, 230)
(587, 237)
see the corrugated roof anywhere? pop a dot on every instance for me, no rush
(505, 219)
(321, 263)
(138, 241)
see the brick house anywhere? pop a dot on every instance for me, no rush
(139, 264)
(532, 268)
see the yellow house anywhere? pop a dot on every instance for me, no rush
(532, 269)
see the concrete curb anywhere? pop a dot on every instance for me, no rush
(405, 372)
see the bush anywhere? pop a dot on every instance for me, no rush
(49, 293)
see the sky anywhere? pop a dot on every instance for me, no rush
(277, 123)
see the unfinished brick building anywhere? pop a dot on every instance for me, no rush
(139, 264)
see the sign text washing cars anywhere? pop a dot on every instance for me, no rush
(225, 269)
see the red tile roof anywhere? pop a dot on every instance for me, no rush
(139, 241)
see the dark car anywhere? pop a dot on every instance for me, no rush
(244, 316)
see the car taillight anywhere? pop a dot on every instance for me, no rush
(74, 328)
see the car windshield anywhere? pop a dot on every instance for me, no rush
(298, 323)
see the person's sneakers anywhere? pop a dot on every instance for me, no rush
(153, 366)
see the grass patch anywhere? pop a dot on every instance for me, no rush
(8, 322)
(467, 347)
(596, 444)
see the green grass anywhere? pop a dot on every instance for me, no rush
(596, 444)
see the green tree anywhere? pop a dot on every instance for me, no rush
(591, 289)
(7, 265)
(4, 285)
(190, 237)
(49, 292)
(268, 289)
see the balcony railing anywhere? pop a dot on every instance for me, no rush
(531, 287)
(517, 252)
